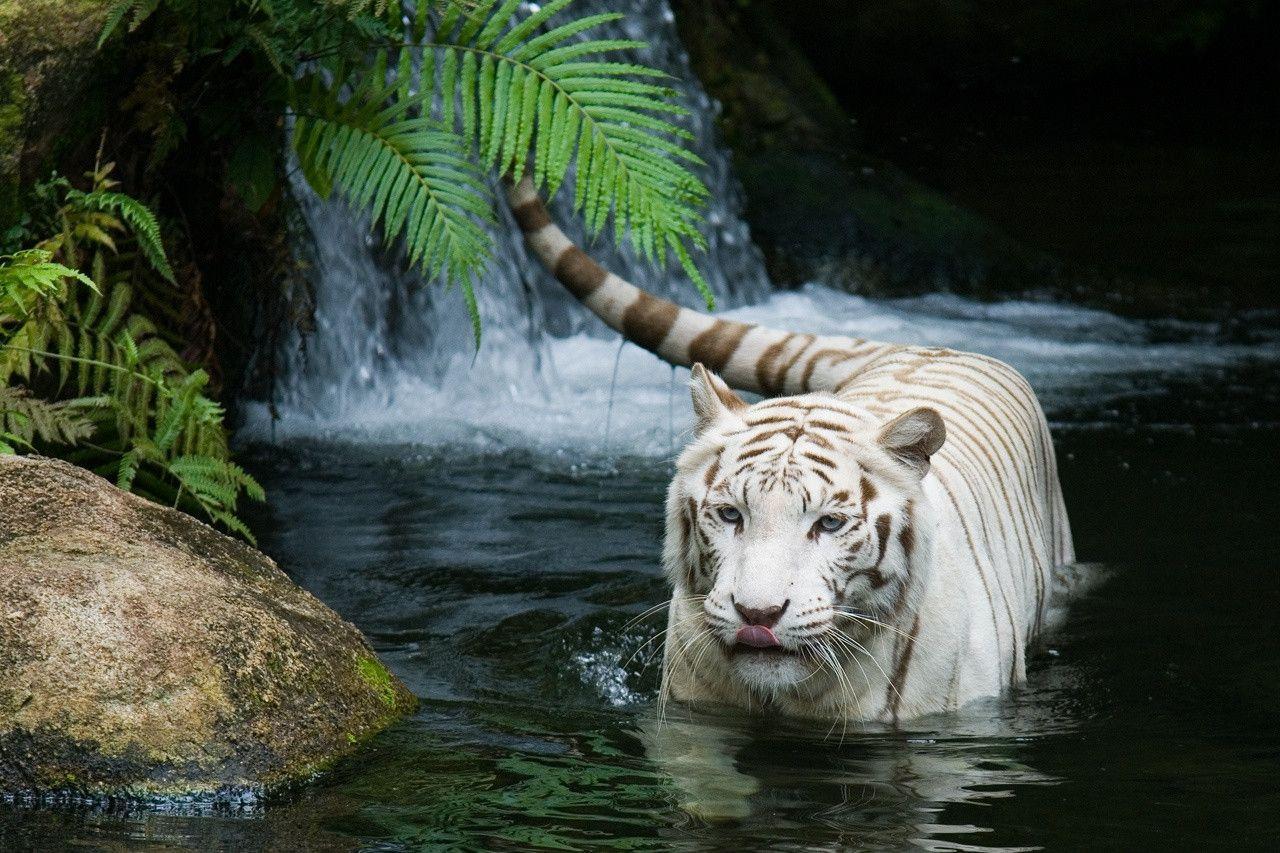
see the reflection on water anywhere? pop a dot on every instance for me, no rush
(500, 588)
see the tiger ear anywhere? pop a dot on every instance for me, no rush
(712, 399)
(913, 437)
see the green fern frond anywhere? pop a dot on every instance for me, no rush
(142, 404)
(32, 274)
(136, 10)
(215, 485)
(141, 221)
(27, 418)
(412, 174)
(533, 90)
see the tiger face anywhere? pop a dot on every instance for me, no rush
(797, 529)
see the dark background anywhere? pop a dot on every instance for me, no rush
(1122, 154)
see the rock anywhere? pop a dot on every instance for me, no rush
(142, 653)
(819, 207)
(47, 59)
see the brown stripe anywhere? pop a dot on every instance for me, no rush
(817, 457)
(900, 671)
(836, 356)
(840, 497)
(780, 379)
(765, 436)
(776, 419)
(821, 424)
(868, 492)
(764, 378)
(712, 470)
(576, 271)
(816, 438)
(882, 533)
(908, 539)
(750, 454)
(716, 345)
(532, 216)
(648, 319)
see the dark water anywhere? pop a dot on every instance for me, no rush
(499, 588)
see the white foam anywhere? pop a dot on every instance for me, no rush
(1073, 356)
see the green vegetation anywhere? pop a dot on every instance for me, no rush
(405, 111)
(85, 375)
(374, 674)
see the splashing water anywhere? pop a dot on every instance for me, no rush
(392, 359)
(384, 338)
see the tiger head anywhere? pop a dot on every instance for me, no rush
(797, 528)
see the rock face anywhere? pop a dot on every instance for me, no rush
(144, 653)
(819, 207)
(47, 55)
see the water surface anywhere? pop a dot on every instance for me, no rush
(496, 574)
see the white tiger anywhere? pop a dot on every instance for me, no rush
(880, 544)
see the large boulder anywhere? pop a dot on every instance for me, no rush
(143, 653)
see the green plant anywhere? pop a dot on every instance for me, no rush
(404, 111)
(100, 384)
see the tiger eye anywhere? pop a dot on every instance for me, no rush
(730, 514)
(830, 523)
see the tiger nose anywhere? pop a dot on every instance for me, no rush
(764, 616)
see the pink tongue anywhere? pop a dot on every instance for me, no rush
(758, 637)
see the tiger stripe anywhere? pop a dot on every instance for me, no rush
(964, 571)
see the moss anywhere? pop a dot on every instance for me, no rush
(374, 674)
(47, 55)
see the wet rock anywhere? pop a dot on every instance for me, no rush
(142, 653)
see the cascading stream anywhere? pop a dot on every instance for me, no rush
(391, 357)
(384, 337)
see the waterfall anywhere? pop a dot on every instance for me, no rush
(388, 345)
(391, 357)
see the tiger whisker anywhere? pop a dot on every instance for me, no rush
(656, 636)
(840, 638)
(862, 617)
(659, 606)
(871, 657)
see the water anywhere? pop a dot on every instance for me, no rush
(382, 334)
(497, 579)
(493, 522)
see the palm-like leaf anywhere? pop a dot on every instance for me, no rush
(548, 96)
(411, 172)
(141, 221)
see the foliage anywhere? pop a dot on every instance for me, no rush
(100, 384)
(404, 110)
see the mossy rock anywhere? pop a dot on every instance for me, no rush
(144, 654)
(47, 60)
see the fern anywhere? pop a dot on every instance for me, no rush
(32, 274)
(410, 171)
(93, 367)
(136, 11)
(405, 108)
(24, 419)
(511, 91)
(137, 216)
(551, 97)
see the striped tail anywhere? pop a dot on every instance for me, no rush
(746, 356)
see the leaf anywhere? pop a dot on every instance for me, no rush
(251, 170)
(141, 221)
(411, 173)
(551, 97)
